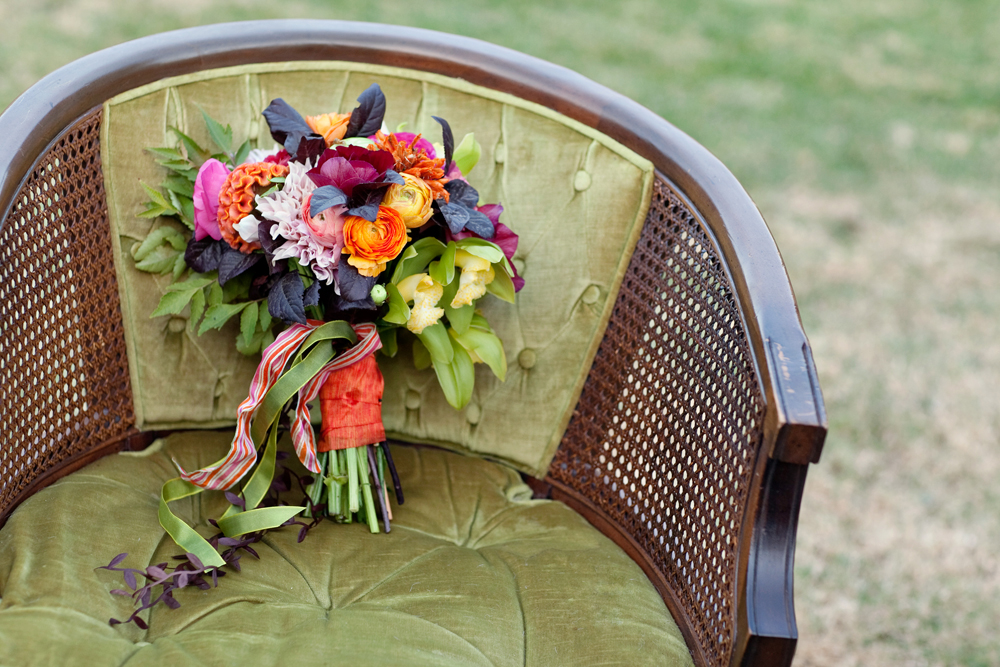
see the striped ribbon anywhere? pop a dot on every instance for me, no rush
(243, 453)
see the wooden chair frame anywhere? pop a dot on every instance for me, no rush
(793, 428)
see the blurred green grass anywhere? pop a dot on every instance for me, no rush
(868, 132)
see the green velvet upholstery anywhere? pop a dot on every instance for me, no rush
(474, 572)
(576, 198)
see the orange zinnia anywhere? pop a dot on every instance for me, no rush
(414, 161)
(236, 198)
(372, 244)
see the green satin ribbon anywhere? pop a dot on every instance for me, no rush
(313, 354)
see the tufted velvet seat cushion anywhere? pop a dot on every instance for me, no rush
(474, 572)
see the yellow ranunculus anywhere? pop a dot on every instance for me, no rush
(424, 292)
(412, 200)
(477, 273)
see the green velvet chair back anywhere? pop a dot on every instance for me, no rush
(576, 198)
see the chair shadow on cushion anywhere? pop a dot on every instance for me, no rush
(474, 572)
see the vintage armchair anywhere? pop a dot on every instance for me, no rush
(692, 404)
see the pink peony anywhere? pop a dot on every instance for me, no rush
(207, 185)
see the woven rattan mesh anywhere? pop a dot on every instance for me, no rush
(665, 433)
(64, 382)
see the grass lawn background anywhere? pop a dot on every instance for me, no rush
(868, 133)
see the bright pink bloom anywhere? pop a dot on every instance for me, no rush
(207, 185)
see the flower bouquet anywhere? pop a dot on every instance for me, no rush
(343, 240)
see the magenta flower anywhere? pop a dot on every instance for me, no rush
(207, 184)
(347, 167)
(505, 238)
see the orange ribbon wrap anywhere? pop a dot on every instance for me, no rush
(350, 402)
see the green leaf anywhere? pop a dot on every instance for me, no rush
(179, 184)
(219, 314)
(264, 315)
(172, 303)
(222, 136)
(399, 312)
(457, 379)
(178, 204)
(179, 266)
(248, 322)
(424, 250)
(157, 198)
(156, 238)
(502, 286)
(191, 146)
(467, 155)
(487, 347)
(421, 357)
(435, 338)
(479, 322)
(443, 270)
(268, 339)
(399, 128)
(238, 288)
(197, 310)
(390, 346)
(197, 281)
(241, 153)
(252, 347)
(161, 260)
(460, 318)
(215, 294)
(491, 252)
(167, 154)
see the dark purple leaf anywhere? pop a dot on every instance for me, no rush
(155, 572)
(215, 577)
(228, 541)
(391, 176)
(353, 286)
(234, 262)
(285, 299)
(170, 601)
(147, 593)
(303, 532)
(449, 142)
(311, 296)
(460, 192)
(290, 129)
(204, 255)
(326, 197)
(113, 622)
(139, 622)
(117, 559)
(367, 117)
(195, 562)
(182, 579)
(369, 212)
(129, 576)
(267, 242)
(456, 215)
(252, 552)
(480, 224)
(236, 500)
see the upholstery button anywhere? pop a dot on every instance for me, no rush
(581, 181)
(176, 325)
(412, 399)
(499, 154)
(527, 358)
(591, 294)
(473, 413)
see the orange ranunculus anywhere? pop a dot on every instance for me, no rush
(333, 126)
(236, 198)
(372, 244)
(412, 200)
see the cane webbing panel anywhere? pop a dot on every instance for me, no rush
(666, 430)
(64, 383)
